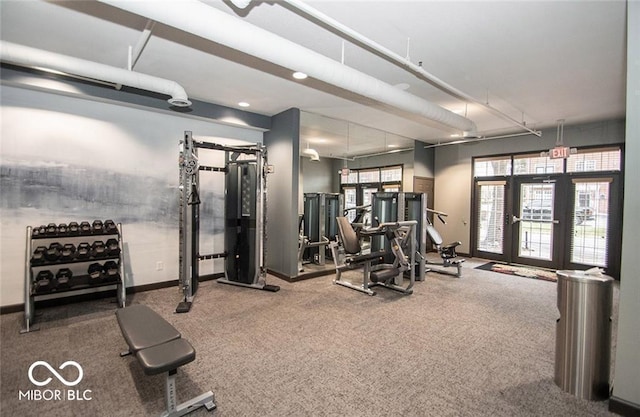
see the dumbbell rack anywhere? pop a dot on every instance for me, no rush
(87, 267)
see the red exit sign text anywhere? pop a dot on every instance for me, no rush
(559, 152)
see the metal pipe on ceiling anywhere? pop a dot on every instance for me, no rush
(402, 62)
(478, 139)
(217, 26)
(36, 58)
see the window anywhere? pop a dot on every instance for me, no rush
(350, 178)
(490, 167)
(359, 185)
(585, 166)
(369, 176)
(391, 174)
(387, 175)
(590, 160)
(536, 164)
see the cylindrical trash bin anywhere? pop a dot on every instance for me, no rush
(583, 334)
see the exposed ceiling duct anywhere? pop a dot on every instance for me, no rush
(36, 58)
(209, 23)
(311, 153)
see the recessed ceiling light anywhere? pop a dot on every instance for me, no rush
(243, 104)
(392, 146)
(299, 75)
(455, 135)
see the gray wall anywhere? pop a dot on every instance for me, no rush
(283, 149)
(316, 177)
(423, 161)
(66, 158)
(626, 385)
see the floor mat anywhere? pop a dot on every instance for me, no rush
(522, 271)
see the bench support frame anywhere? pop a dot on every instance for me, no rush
(173, 409)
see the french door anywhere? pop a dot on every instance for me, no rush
(556, 221)
(538, 219)
(516, 221)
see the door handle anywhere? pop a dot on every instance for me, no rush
(516, 219)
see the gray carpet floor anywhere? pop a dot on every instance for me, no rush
(481, 345)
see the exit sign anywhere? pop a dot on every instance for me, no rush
(559, 152)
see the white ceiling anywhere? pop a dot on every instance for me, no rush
(536, 61)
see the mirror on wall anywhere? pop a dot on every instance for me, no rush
(339, 139)
(327, 146)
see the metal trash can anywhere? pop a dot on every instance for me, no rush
(583, 334)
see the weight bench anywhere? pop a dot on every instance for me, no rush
(447, 254)
(160, 348)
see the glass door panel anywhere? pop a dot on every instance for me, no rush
(535, 228)
(350, 200)
(367, 195)
(490, 221)
(590, 240)
(538, 218)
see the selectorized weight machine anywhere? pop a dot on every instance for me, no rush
(318, 227)
(349, 254)
(245, 171)
(389, 207)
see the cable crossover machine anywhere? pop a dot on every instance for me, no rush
(245, 172)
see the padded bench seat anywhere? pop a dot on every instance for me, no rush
(166, 357)
(160, 348)
(142, 327)
(384, 274)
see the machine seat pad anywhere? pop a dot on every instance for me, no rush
(143, 328)
(357, 259)
(452, 245)
(166, 357)
(383, 275)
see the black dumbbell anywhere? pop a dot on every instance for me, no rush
(83, 251)
(74, 228)
(38, 255)
(95, 273)
(63, 278)
(110, 227)
(39, 231)
(52, 229)
(111, 271)
(68, 252)
(63, 229)
(85, 228)
(97, 227)
(43, 281)
(113, 248)
(52, 254)
(98, 249)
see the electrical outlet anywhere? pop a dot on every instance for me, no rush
(159, 266)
